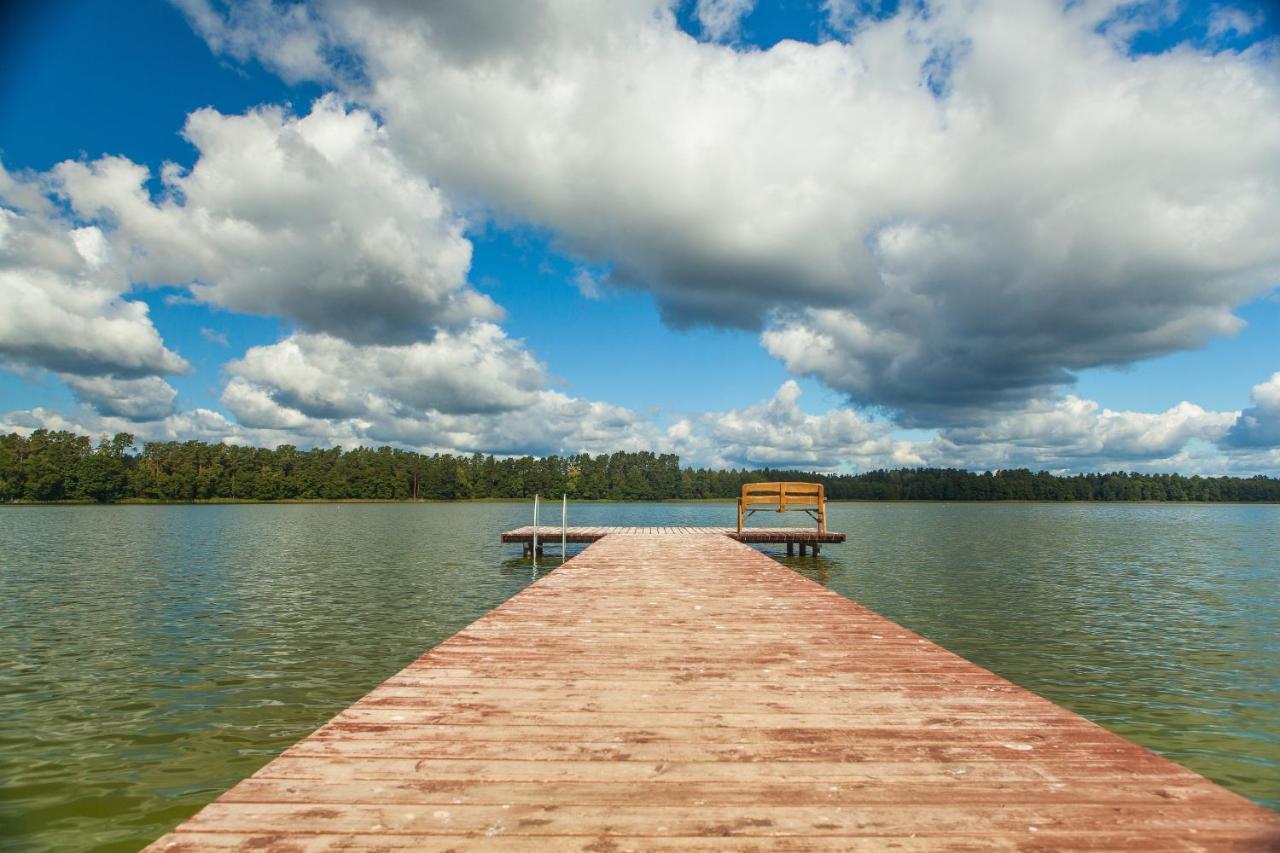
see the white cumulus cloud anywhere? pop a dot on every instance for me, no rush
(285, 36)
(147, 399)
(777, 433)
(469, 390)
(1259, 425)
(722, 19)
(476, 370)
(196, 424)
(1226, 20)
(956, 213)
(63, 294)
(308, 218)
(1079, 434)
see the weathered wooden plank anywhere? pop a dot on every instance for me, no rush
(667, 793)
(862, 740)
(412, 746)
(321, 843)
(704, 697)
(281, 842)
(760, 820)
(336, 763)
(415, 679)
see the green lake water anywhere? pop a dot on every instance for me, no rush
(155, 655)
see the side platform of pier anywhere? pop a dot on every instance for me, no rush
(655, 694)
(802, 537)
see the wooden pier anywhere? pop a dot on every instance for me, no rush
(793, 537)
(655, 694)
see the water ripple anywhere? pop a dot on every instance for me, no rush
(157, 655)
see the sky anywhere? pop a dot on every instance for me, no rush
(837, 235)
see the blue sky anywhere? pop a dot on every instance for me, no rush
(41, 124)
(604, 322)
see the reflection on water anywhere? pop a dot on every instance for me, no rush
(156, 655)
(817, 569)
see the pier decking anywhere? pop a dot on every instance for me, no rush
(804, 537)
(656, 694)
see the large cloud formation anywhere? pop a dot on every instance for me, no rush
(63, 293)
(147, 399)
(934, 214)
(476, 371)
(308, 218)
(1077, 433)
(1060, 435)
(777, 433)
(955, 209)
(469, 390)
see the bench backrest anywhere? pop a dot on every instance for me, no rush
(782, 496)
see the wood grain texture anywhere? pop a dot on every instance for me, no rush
(782, 497)
(655, 694)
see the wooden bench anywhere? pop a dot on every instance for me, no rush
(782, 497)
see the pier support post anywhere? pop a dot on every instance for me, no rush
(802, 549)
(537, 550)
(817, 549)
(791, 549)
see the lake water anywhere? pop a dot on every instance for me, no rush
(155, 655)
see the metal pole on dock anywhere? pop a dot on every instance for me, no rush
(535, 531)
(564, 525)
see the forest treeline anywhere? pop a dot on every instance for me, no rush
(61, 466)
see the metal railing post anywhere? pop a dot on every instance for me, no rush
(564, 525)
(535, 531)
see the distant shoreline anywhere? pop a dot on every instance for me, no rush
(53, 467)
